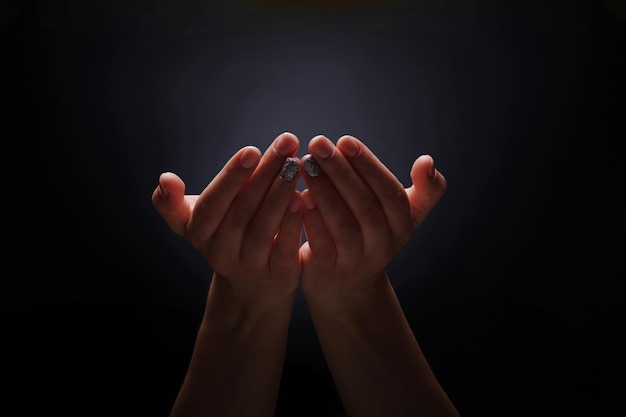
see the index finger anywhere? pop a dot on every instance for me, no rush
(382, 182)
(216, 198)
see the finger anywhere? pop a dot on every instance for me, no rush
(168, 199)
(216, 198)
(319, 241)
(429, 185)
(249, 198)
(266, 222)
(357, 195)
(384, 184)
(287, 241)
(338, 219)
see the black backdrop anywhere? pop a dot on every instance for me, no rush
(514, 285)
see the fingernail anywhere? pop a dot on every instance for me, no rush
(311, 166)
(249, 158)
(294, 203)
(431, 170)
(290, 169)
(284, 146)
(323, 148)
(163, 190)
(350, 148)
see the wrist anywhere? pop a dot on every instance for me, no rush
(231, 307)
(344, 298)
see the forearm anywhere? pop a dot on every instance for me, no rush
(237, 361)
(376, 362)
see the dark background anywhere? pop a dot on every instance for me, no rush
(513, 286)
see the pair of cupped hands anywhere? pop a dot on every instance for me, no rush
(247, 223)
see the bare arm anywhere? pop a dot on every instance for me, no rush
(247, 226)
(375, 360)
(357, 217)
(237, 361)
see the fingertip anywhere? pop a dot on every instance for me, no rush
(432, 173)
(351, 138)
(318, 138)
(162, 191)
(424, 173)
(290, 135)
(429, 185)
(321, 147)
(164, 179)
(441, 179)
(250, 157)
(167, 174)
(315, 140)
(343, 137)
(170, 185)
(349, 146)
(286, 144)
(423, 165)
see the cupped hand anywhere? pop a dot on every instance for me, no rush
(358, 216)
(246, 223)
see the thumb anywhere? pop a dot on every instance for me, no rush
(429, 185)
(168, 199)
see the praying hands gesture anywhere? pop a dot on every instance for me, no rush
(247, 225)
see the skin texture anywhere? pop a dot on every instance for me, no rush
(247, 225)
(361, 215)
(357, 217)
(233, 223)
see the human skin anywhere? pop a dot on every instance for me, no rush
(357, 217)
(240, 346)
